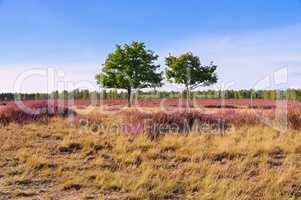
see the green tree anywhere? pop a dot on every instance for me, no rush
(188, 70)
(130, 67)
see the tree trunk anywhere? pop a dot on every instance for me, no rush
(187, 97)
(129, 97)
(191, 100)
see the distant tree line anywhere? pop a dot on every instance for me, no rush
(22, 96)
(291, 94)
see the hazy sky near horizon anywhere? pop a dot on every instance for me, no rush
(248, 40)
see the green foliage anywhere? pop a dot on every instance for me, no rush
(188, 70)
(130, 67)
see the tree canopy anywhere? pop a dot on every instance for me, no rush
(130, 66)
(188, 70)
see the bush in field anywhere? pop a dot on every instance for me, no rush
(268, 107)
(184, 122)
(221, 106)
(41, 112)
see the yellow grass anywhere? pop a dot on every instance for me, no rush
(60, 161)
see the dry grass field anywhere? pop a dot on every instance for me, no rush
(63, 159)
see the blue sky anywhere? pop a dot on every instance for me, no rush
(248, 40)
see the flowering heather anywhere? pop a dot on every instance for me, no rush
(184, 121)
(176, 102)
(39, 111)
(172, 102)
(225, 113)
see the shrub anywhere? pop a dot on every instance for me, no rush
(221, 106)
(160, 122)
(184, 121)
(42, 111)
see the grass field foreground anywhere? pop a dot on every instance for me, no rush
(60, 161)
